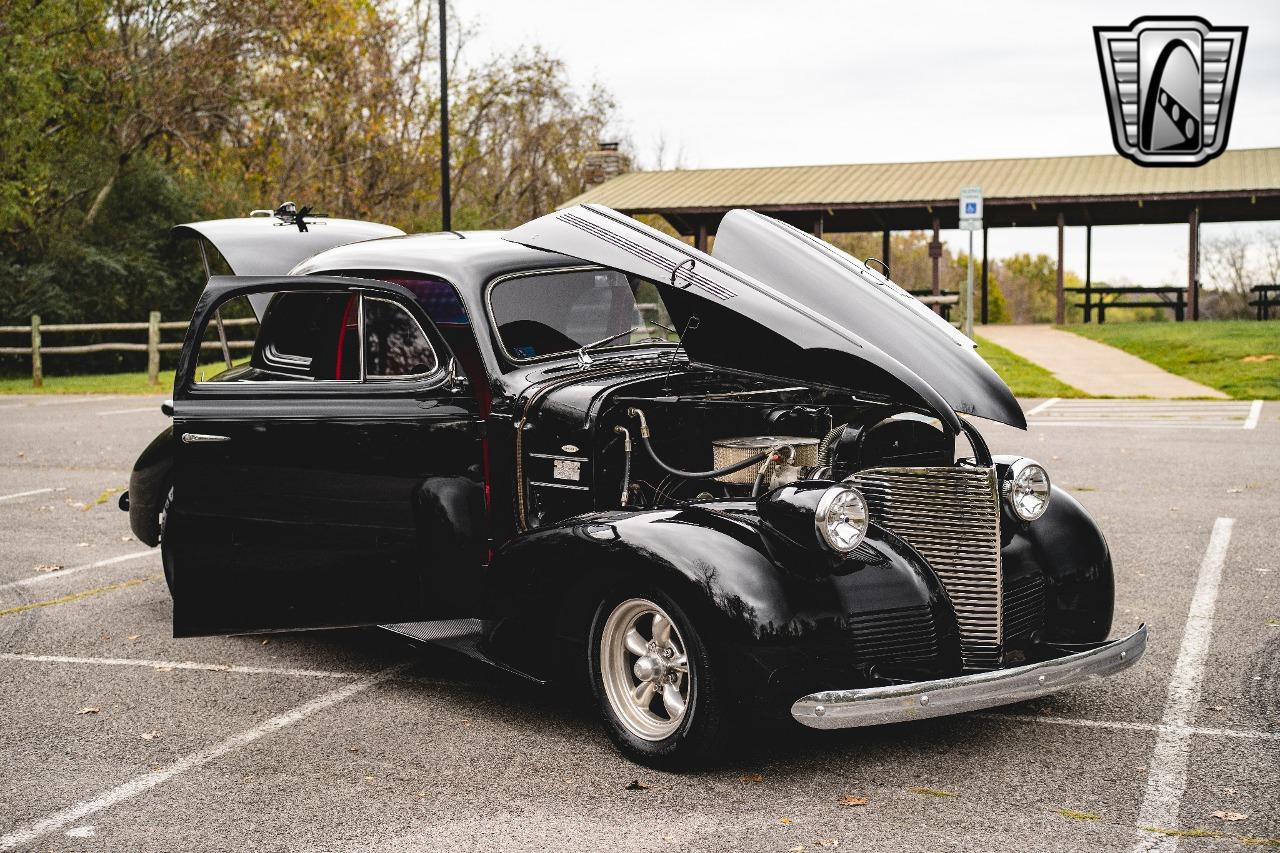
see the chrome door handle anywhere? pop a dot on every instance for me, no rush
(202, 438)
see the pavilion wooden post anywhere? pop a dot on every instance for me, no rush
(700, 241)
(817, 227)
(935, 253)
(886, 248)
(37, 367)
(1060, 315)
(1088, 272)
(985, 310)
(1193, 265)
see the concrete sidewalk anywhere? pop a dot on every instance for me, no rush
(1092, 367)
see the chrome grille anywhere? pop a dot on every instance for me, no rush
(1023, 606)
(899, 634)
(952, 517)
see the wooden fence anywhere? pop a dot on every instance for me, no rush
(153, 347)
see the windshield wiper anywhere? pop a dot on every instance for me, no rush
(584, 359)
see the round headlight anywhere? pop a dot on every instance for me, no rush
(841, 518)
(1026, 489)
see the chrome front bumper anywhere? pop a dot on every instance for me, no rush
(871, 706)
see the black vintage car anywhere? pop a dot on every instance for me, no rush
(712, 484)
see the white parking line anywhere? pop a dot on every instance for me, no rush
(172, 664)
(1167, 776)
(129, 411)
(25, 494)
(1046, 404)
(1145, 424)
(1120, 725)
(62, 573)
(29, 832)
(1255, 412)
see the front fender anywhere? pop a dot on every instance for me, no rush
(880, 608)
(149, 485)
(1066, 546)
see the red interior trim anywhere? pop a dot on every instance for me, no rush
(342, 334)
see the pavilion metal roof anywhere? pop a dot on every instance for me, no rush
(1099, 189)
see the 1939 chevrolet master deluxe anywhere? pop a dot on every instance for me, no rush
(710, 483)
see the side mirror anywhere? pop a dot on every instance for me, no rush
(166, 408)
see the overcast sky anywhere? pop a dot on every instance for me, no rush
(747, 83)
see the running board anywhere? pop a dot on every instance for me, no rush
(461, 635)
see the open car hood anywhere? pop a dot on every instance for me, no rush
(265, 245)
(844, 289)
(744, 323)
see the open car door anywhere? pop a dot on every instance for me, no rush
(331, 479)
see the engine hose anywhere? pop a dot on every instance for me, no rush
(775, 456)
(824, 446)
(691, 475)
(626, 461)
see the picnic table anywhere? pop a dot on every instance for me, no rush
(1267, 296)
(1103, 298)
(941, 303)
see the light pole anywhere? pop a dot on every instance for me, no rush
(446, 201)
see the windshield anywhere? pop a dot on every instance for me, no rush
(551, 313)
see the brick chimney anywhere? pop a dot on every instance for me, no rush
(602, 164)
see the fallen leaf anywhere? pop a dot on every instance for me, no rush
(1075, 815)
(753, 777)
(353, 749)
(636, 785)
(133, 636)
(1217, 708)
(828, 842)
(163, 669)
(1230, 792)
(931, 792)
(88, 711)
(48, 567)
(368, 778)
(422, 795)
(1229, 815)
(1254, 359)
(785, 821)
(126, 538)
(797, 849)
(150, 735)
(267, 640)
(849, 800)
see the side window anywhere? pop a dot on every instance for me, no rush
(308, 336)
(394, 343)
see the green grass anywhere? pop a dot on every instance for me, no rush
(1023, 377)
(1211, 352)
(100, 383)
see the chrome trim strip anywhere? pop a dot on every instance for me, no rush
(559, 486)
(871, 706)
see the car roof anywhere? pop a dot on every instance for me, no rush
(467, 259)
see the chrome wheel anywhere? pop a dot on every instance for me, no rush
(645, 669)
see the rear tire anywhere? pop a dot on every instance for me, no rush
(653, 680)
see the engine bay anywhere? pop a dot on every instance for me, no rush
(660, 442)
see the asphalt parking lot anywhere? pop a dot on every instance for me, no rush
(114, 736)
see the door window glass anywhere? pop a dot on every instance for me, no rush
(238, 329)
(394, 343)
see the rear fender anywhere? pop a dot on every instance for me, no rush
(149, 485)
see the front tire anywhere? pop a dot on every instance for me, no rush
(652, 678)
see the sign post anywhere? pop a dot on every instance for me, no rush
(970, 220)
